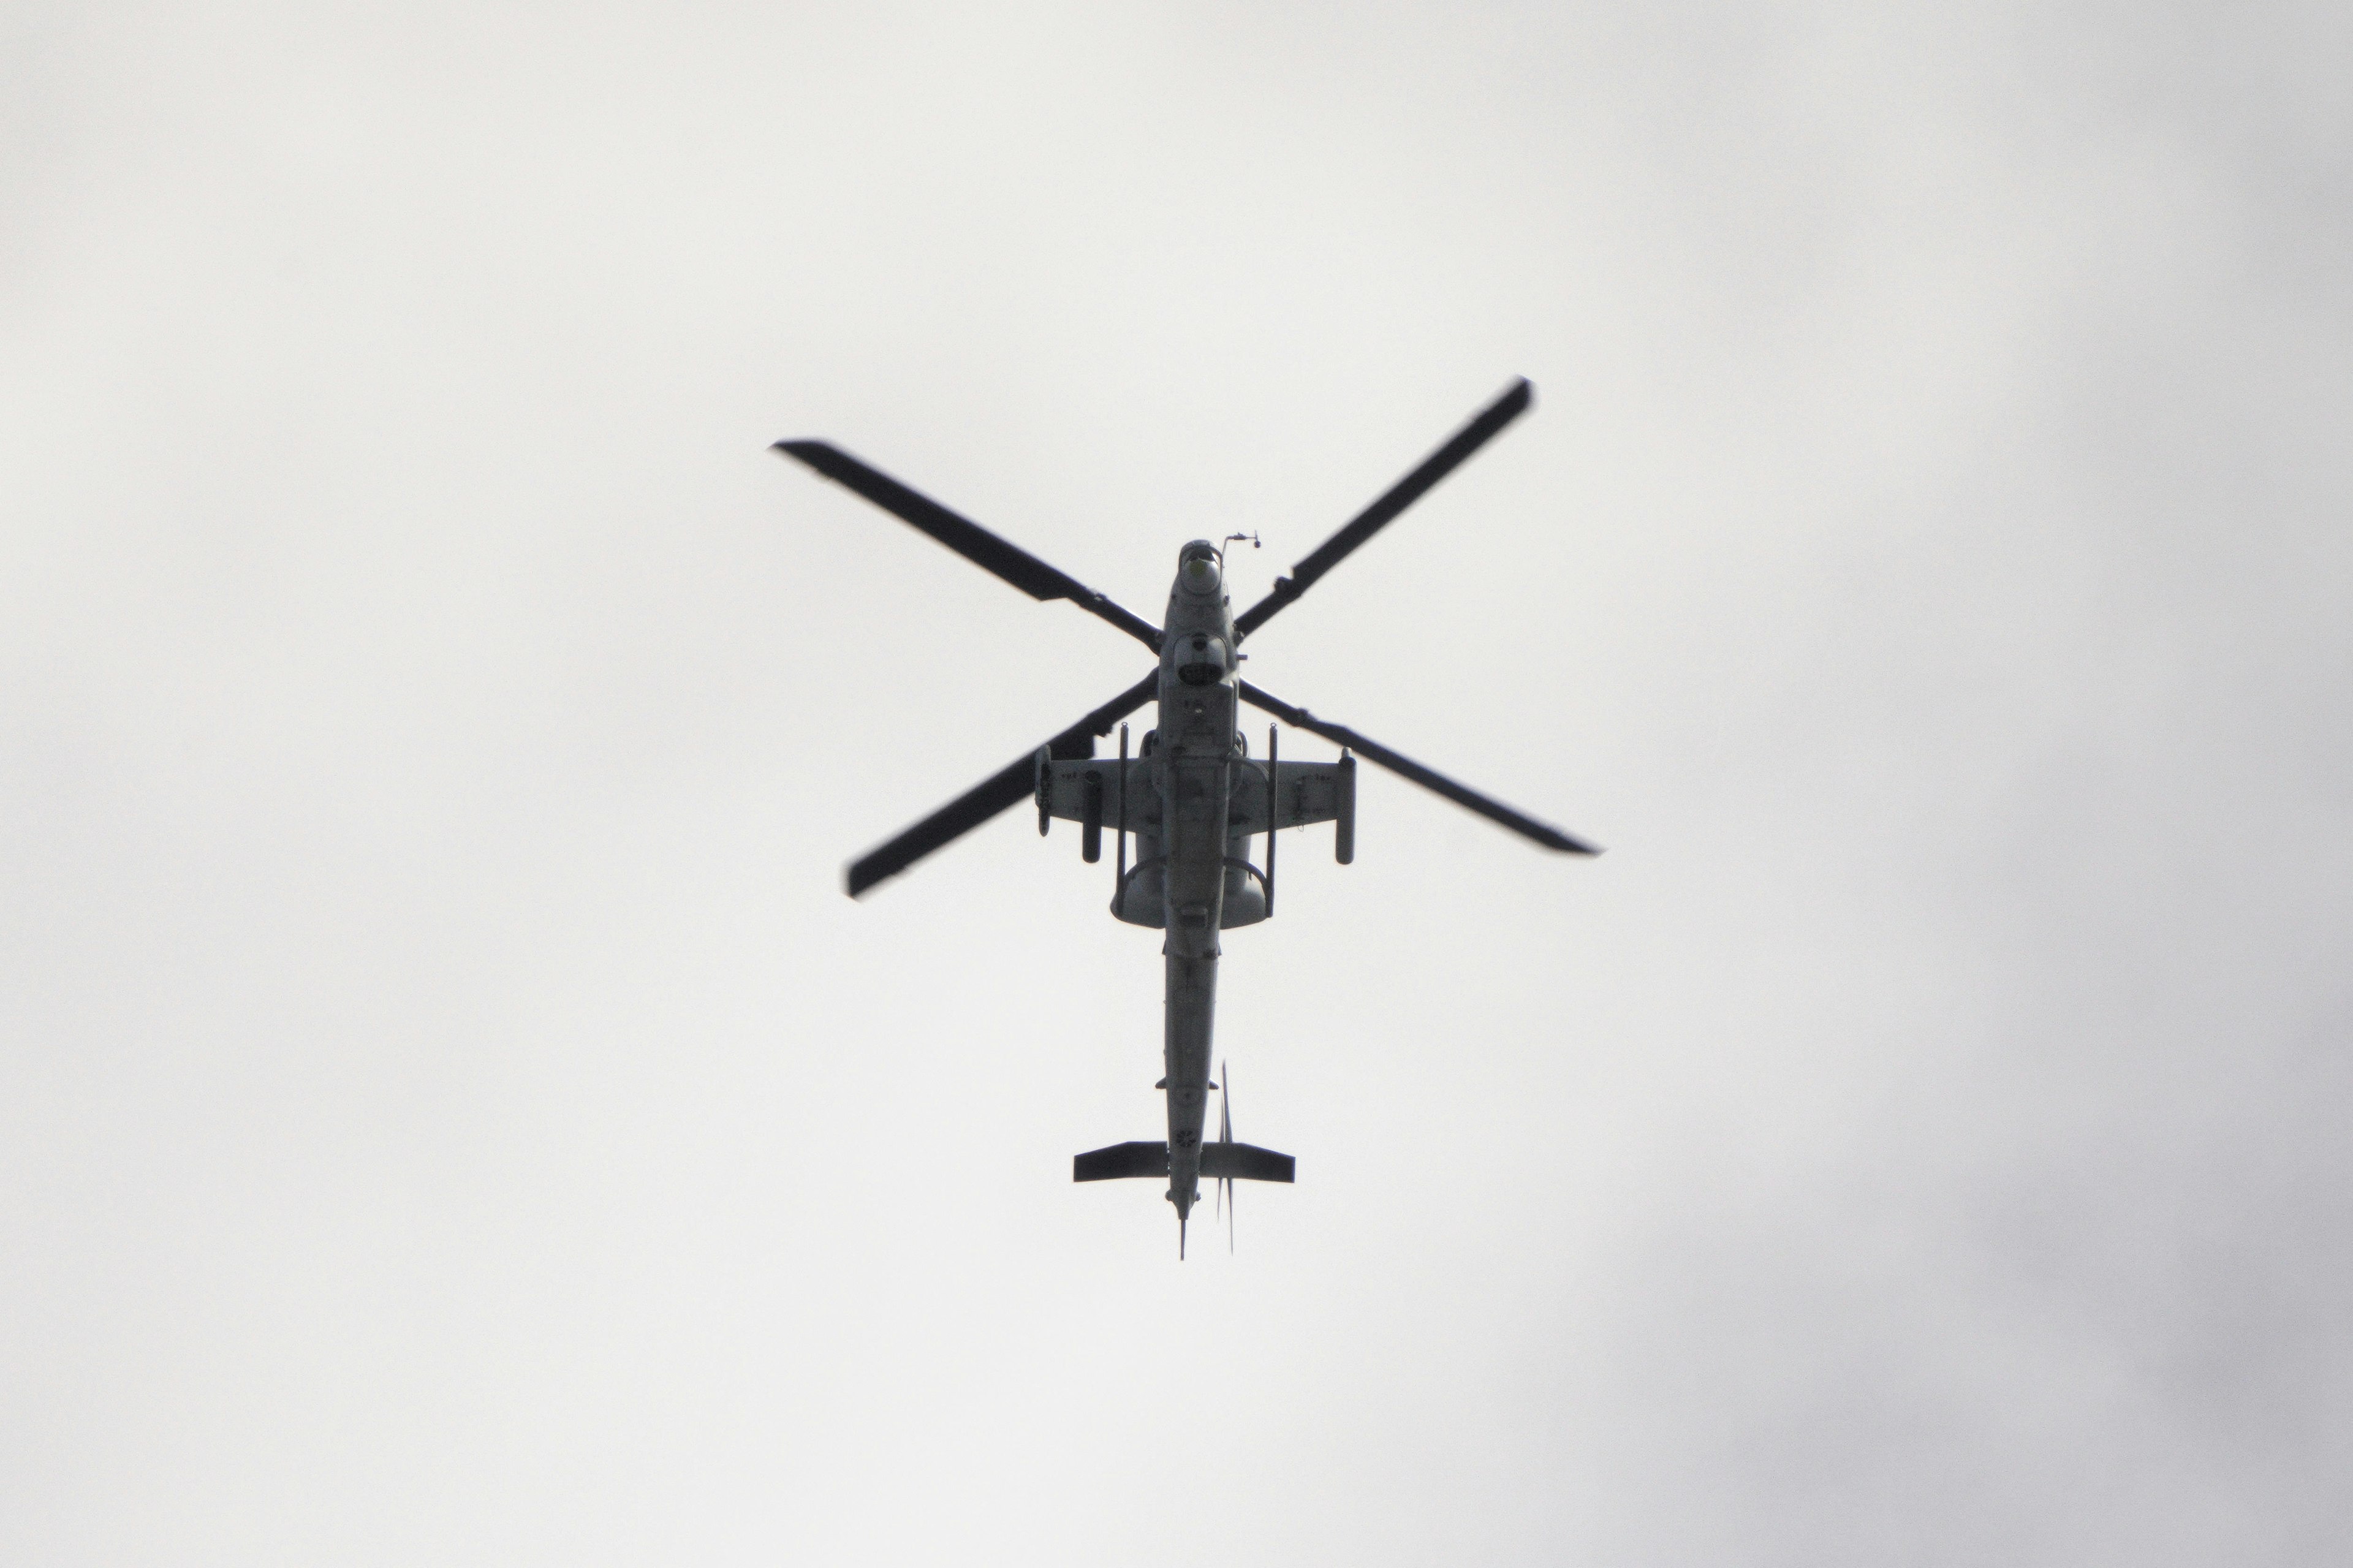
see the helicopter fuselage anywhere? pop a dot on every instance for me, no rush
(1194, 797)
(1194, 750)
(1192, 800)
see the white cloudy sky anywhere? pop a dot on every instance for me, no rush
(450, 1114)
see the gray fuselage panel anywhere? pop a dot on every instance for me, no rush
(1194, 756)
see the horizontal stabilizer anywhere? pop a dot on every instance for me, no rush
(1241, 1161)
(1122, 1159)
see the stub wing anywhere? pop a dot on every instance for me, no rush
(1304, 793)
(1070, 788)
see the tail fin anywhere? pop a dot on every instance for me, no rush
(1120, 1159)
(1220, 1162)
(1244, 1162)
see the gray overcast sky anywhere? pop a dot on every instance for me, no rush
(450, 1114)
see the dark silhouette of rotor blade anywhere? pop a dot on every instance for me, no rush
(1226, 1135)
(1013, 783)
(1400, 496)
(966, 537)
(1428, 778)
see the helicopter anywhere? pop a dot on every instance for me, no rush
(1192, 798)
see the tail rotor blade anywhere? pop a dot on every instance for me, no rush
(1226, 1135)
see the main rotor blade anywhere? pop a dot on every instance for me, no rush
(1428, 778)
(966, 537)
(1400, 496)
(978, 805)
